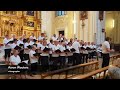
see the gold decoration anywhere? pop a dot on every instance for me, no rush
(83, 15)
(14, 22)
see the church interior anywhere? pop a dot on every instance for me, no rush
(90, 28)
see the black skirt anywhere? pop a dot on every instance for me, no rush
(26, 56)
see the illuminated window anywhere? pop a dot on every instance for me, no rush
(60, 13)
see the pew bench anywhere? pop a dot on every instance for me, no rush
(97, 74)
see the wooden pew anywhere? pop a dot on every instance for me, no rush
(97, 73)
(113, 58)
(71, 71)
(93, 74)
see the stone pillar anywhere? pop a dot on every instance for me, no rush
(46, 23)
(101, 25)
(91, 26)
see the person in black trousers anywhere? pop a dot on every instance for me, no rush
(33, 60)
(7, 49)
(106, 51)
(76, 54)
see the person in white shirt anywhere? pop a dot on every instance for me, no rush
(41, 37)
(54, 37)
(99, 50)
(26, 49)
(13, 45)
(60, 38)
(56, 46)
(39, 45)
(31, 42)
(89, 51)
(69, 46)
(44, 45)
(13, 37)
(85, 53)
(20, 41)
(76, 54)
(32, 36)
(7, 49)
(50, 45)
(69, 54)
(33, 60)
(55, 55)
(105, 52)
(66, 41)
(62, 54)
(23, 36)
(44, 57)
(15, 59)
(93, 49)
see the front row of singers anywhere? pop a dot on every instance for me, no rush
(48, 56)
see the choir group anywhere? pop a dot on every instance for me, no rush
(56, 53)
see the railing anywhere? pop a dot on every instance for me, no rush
(97, 74)
(71, 71)
(113, 58)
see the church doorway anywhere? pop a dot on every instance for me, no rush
(61, 32)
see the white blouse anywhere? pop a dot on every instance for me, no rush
(15, 60)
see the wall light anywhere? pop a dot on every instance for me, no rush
(113, 23)
(74, 21)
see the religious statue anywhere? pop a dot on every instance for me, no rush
(31, 24)
(84, 15)
(101, 13)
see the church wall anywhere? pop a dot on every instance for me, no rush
(88, 32)
(72, 24)
(64, 23)
(46, 23)
(113, 32)
(109, 28)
